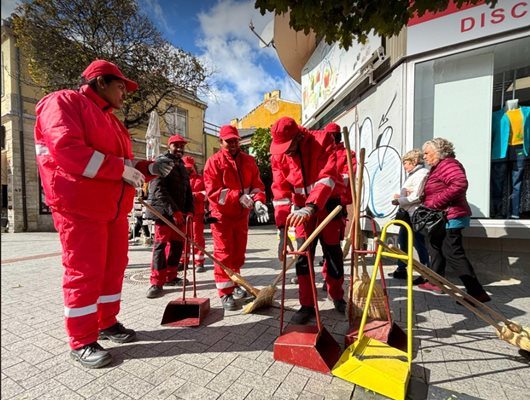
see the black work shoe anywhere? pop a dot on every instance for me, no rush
(419, 281)
(303, 315)
(154, 291)
(399, 274)
(177, 282)
(228, 302)
(91, 356)
(324, 286)
(239, 293)
(200, 268)
(118, 334)
(340, 305)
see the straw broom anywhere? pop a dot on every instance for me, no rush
(265, 296)
(512, 332)
(234, 276)
(351, 177)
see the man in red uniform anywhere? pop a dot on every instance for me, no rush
(342, 168)
(85, 160)
(199, 194)
(304, 173)
(233, 187)
(171, 196)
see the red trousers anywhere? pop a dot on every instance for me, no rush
(165, 261)
(330, 239)
(230, 244)
(94, 260)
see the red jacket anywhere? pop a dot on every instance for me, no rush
(81, 150)
(226, 179)
(309, 176)
(446, 189)
(199, 192)
(342, 168)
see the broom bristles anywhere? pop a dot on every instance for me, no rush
(521, 339)
(263, 299)
(360, 294)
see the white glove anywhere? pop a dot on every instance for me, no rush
(300, 216)
(133, 177)
(246, 201)
(262, 211)
(162, 166)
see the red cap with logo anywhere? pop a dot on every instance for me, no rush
(189, 161)
(102, 67)
(229, 132)
(176, 139)
(283, 132)
(332, 127)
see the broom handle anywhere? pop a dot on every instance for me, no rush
(308, 241)
(451, 289)
(351, 178)
(234, 276)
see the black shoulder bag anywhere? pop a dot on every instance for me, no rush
(428, 220)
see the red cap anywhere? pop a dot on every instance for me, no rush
(176, 139)
(189, 161)
(332, 127)
(229, 132)
(283, 132)
(102, 67)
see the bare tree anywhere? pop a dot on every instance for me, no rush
(61, 37)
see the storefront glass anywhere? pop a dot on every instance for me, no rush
(480, 100)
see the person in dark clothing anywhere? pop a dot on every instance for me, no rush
(172, 197)
(446, 189)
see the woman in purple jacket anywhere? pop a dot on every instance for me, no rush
(446, 190)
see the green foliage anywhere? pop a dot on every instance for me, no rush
(260, 143)
(60, 38)
(344, 21)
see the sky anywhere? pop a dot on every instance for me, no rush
(217, 32)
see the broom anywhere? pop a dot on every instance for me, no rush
(266, 295)
(234, 276)
(512, 332)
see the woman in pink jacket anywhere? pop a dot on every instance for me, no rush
(446, 189)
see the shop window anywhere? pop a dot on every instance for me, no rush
(177, 121)
(480, 100)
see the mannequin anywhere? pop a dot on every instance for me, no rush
(511, 104)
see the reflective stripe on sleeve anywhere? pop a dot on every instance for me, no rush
(345, 179)
(41, 149)
(324, 181)
(222, 196)
(224, 285)
(94, 164)
(299, 190)
(281, 202)
(80, 311)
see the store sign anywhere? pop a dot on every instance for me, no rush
(472, 21)
(329, 69)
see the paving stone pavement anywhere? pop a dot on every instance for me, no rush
(229, 356)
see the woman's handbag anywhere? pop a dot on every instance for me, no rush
(427, 219)
(402, 215)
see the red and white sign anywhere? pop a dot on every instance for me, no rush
(453, 26)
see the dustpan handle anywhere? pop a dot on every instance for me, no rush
(192, 251)
(284, 270)
(188, 227)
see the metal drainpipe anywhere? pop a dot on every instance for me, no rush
(21, 140)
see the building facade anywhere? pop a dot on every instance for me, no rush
(455, 75)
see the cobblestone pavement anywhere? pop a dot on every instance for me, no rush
(229, 356)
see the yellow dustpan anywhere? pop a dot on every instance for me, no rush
(370, 363)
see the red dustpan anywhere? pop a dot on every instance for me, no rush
(186, 312)
(310, 347)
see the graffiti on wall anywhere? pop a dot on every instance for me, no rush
(383, 171)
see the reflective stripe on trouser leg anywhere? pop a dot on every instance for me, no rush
(117, 260)
(230, 243)
(84, 243)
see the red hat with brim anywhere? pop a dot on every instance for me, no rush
(102, 67)
(283, 132)
(176, 139)
(189, 161)
(332, 127)
(229, 132)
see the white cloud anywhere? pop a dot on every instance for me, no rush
(8, 6)
(243, 71)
